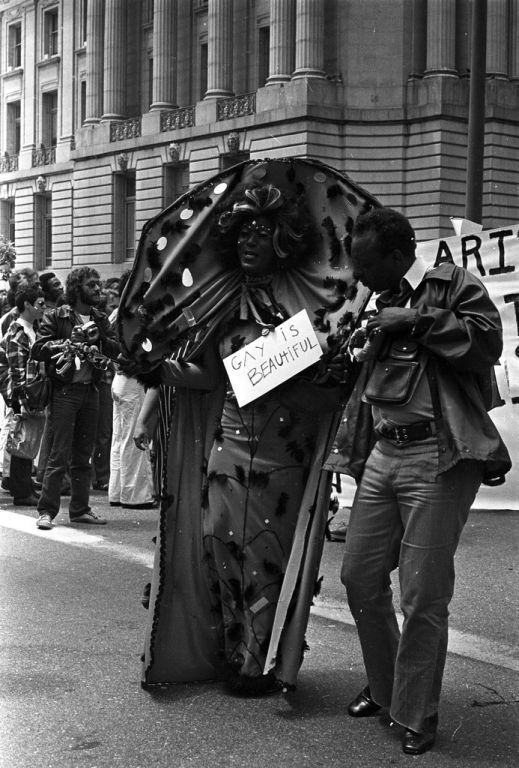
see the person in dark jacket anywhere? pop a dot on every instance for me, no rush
(421, 407)
(74, 340)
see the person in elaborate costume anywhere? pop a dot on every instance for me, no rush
(244, 499)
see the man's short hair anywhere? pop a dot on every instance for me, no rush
(74, 281)
(26, 292)
(45, 278)
(392, 228)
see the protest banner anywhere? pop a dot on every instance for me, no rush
(273, 358)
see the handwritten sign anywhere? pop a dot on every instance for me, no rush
(270, 360)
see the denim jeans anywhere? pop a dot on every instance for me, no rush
(405, 515)
(73, 416)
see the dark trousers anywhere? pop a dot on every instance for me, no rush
(46, 443)
(73, 418)
(21, 478)
(103, 441)
(404, 514)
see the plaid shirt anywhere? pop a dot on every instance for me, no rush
(21, 367)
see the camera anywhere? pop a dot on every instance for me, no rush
(90, 331)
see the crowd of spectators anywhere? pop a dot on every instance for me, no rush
(86, 441)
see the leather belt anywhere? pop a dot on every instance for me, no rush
(405, 433)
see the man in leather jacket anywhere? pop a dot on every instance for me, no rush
(417, 437)
(74, 340)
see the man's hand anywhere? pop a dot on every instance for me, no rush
(393, 320)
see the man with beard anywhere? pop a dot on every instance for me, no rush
(75, 398)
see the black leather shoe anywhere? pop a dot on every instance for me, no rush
(417, 743)
(363, 705)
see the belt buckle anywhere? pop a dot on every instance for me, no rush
(401, 435)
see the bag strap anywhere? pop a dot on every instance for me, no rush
(432, 376)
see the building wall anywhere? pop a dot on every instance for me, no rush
(379, 106)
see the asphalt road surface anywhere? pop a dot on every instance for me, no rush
(71, 634)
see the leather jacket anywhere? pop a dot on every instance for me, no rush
(56, 326)
(460, 328)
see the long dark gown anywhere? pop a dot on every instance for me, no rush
(256, 475)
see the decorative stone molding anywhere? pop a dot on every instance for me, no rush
(174, 151)
(8, 163)
(233, 142)
(43, 156)
(237, 106)
(122, 161)
(41, 183)
(126, 129)
(174, 119)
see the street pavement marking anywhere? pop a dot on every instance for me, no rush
(460, 643)
(77, 537)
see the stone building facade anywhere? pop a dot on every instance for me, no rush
(109, 109)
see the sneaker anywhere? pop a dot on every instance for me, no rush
(90, 518)
(44, 522)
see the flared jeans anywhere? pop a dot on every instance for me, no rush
(406, 516)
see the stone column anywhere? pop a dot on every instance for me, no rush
(497, 39)
(309, 39)
(282, 41)
(164, 55)
(115, 60)
(94, 60)
(219, 49)
(66, 95)
(441, 38)
(29, 135)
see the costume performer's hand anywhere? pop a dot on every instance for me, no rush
(141, 438)
(393, 320)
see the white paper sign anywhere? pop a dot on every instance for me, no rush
(270, 360)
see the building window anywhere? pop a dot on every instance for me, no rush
(175, 182)
(7, 211)
(13, 128)
(50, 32)
(149, 99)
(82, 101)
(263, 55)
(11, 228)
(42, 231)
(84, 17)
(15, 45)
(232, 158)
(203, 69)
(124, 217)
(147, 12)
(49, 126)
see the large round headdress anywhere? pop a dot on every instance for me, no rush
(179, 289)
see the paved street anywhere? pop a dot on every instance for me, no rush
(72, 627)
